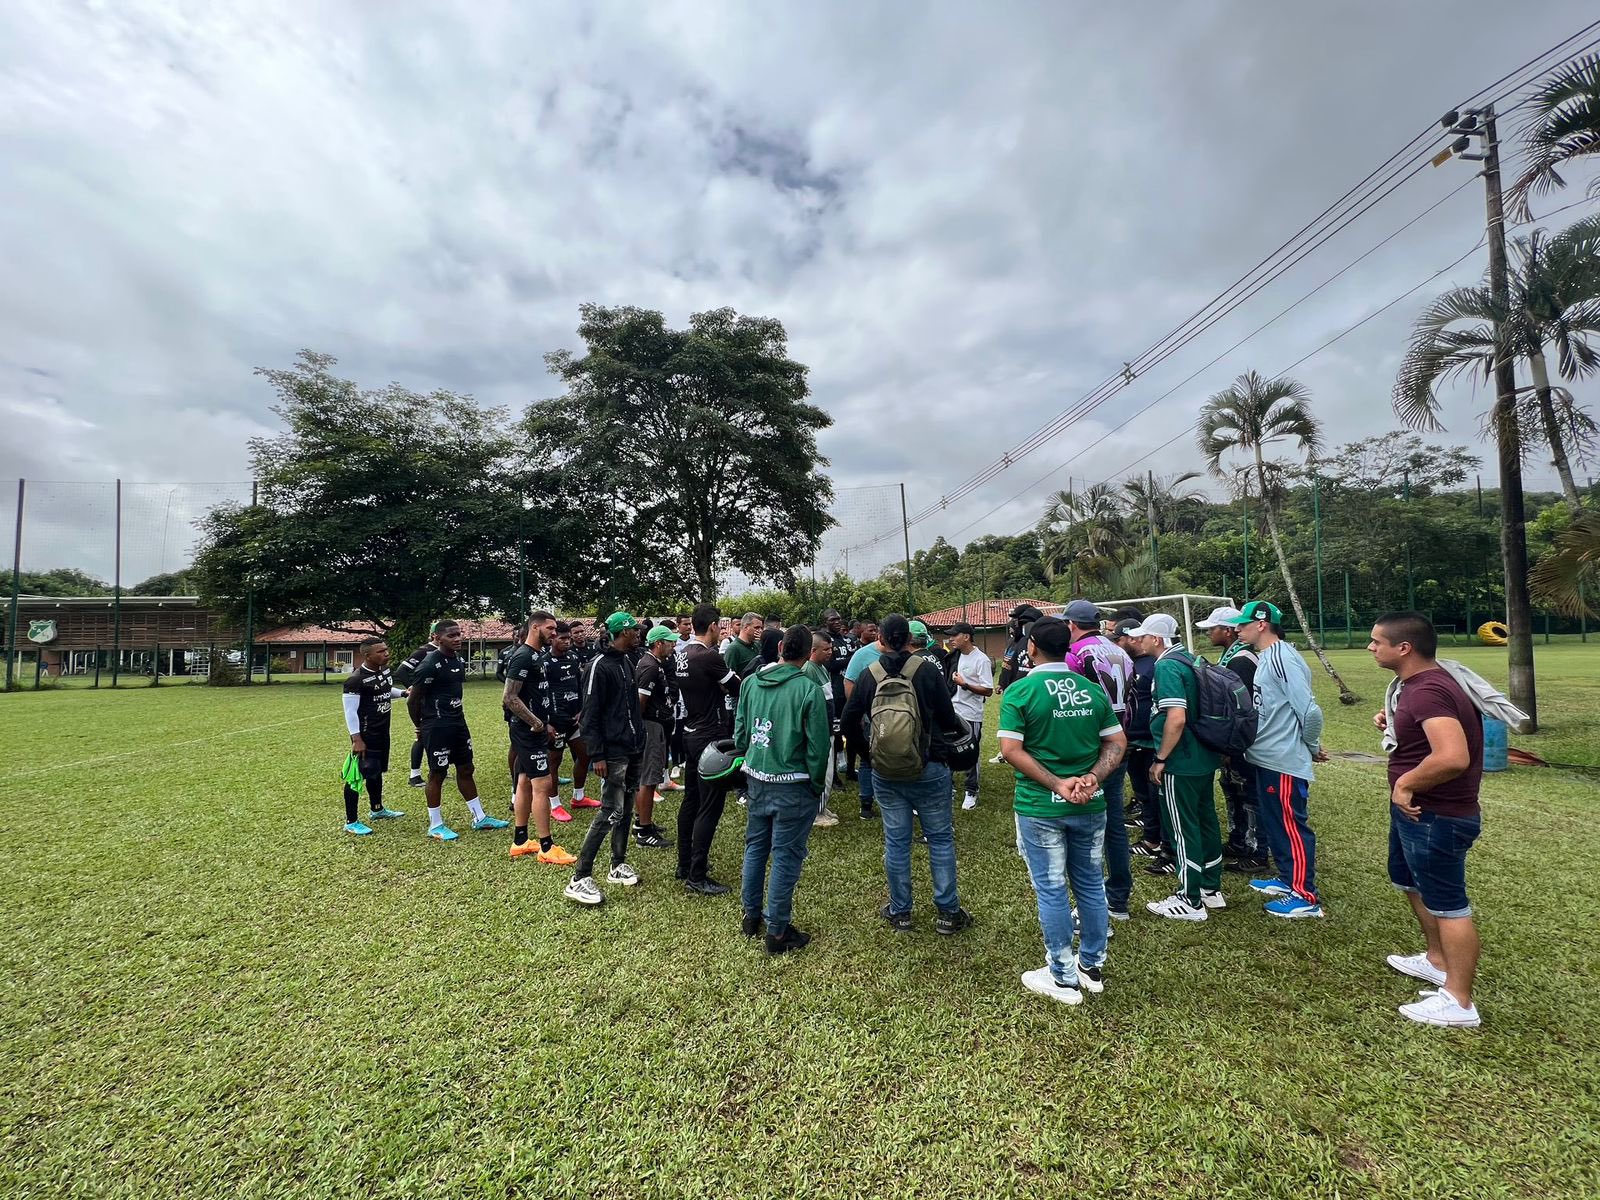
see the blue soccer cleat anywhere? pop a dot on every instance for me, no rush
(387, 814)
(1294, 906)
(488, 822)
(443, 833)
(357, 827)
(1270, 887)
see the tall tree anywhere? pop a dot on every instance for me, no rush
(1563, 126)
(1170, 502)
(1553, 304)
(1245, 419)
(696, 448)
(387, 507)
(1084, 528)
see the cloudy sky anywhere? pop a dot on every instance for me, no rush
(965, 216)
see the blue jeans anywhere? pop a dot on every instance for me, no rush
(1428, 856)
(864, 782)
(1119, 868)
(778, 819)
(927, 796)
(1059, 849)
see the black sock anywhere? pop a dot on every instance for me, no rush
(351, 799)
(545, 843)
(519, 836)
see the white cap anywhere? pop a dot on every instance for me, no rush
(1156, 625)
(1219, 616)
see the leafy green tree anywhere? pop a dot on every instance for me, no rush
(1242, 421)
(694, 450)
(386, 507)
(58, 581)
(172, 583)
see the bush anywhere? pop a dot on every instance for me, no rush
(224, 673)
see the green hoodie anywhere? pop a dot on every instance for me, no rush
(782, 727)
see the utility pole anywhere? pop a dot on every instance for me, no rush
(1479, 124)
(905, 528)
(1150, 516)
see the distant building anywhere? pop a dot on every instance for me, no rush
(989, 620)
(71, 634)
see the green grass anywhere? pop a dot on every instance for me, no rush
(208, 989)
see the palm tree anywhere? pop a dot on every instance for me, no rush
(1554, 303)
(1084, 528)
(1166, 502)
(1251, 415)
(1563, 125)
(1568, 577)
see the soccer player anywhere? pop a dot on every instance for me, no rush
(705, 682)
(1184, 771)
(1435, 738)
(564, 669)
(447, 741)
(655, 705)
(368, 694)
(1247, 842)
(1060, 735)
(1288, 741)
(527, 704)
(614, 733)
(405, 675)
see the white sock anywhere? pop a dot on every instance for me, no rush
(416, 774)
(576, 796)
(475, 807)
(435, 818)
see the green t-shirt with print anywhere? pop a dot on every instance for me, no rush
(1059, 717)
(1177, 687)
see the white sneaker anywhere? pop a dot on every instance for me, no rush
(1041, 983)
(1418, 967)
(1213, 899)
(969, 803)
(1177, 908)
(624, 874)
(584, 891)
(997, 760)
(1091, 979)
(826, 819)
(1441, 1009)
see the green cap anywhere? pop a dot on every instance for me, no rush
(619, 621)
(1258, 610)
(918, 629)
(661, 633)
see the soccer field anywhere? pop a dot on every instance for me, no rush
(209, 989)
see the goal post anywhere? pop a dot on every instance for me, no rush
(1184, 607)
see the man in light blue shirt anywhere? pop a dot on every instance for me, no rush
(1288, 740)
(859, 662)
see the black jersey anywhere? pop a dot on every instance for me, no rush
(650, 677)
(374, 691)
(527, 667)
(440, 677)
(565, 675)
(406, 672)
(702, 679)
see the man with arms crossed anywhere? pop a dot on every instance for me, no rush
(1435, 770)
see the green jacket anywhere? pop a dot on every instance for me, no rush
(781, 727)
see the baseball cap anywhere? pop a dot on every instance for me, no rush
(1156, 625)
(1126, 626)
(619, 621)
(661, 633)
(1083, 612)
(1222, 615)
(919, 630)
(1258, 610)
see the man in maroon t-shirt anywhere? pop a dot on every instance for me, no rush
(1434, 772)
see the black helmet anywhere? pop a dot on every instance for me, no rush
(719, 763)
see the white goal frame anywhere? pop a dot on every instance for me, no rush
(1185, 602)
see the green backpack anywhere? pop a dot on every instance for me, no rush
(897, 734)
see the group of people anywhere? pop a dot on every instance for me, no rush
(1089, 707)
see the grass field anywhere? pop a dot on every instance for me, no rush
(208, 989)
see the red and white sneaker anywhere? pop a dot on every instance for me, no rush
(557, 813)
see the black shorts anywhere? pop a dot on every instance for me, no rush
(530, 751)
(562, 733)
(447, 743)
(376, 759)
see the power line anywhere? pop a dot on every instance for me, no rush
(1330, 222)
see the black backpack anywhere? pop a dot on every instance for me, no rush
(1227, 719)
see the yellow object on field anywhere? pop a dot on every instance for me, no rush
(1493, 633)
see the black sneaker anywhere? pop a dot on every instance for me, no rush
(651, 837)
(1162, 866)
(751, 925)
(955, 922)
(790, 939)
(1146, 849)
(899, 922)
(705, 887)
(868, 813)
(417, 781)
(920, 839)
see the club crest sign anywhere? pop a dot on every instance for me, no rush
(42, 632)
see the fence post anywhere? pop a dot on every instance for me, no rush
(116, 601)
(324, 662)
(97, 664)
(1349, 633)
(269, 665)
(155, 666)
(16, 587)
(1316, 538)
(1547, 629)
(250, 610)
(1583, 615)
